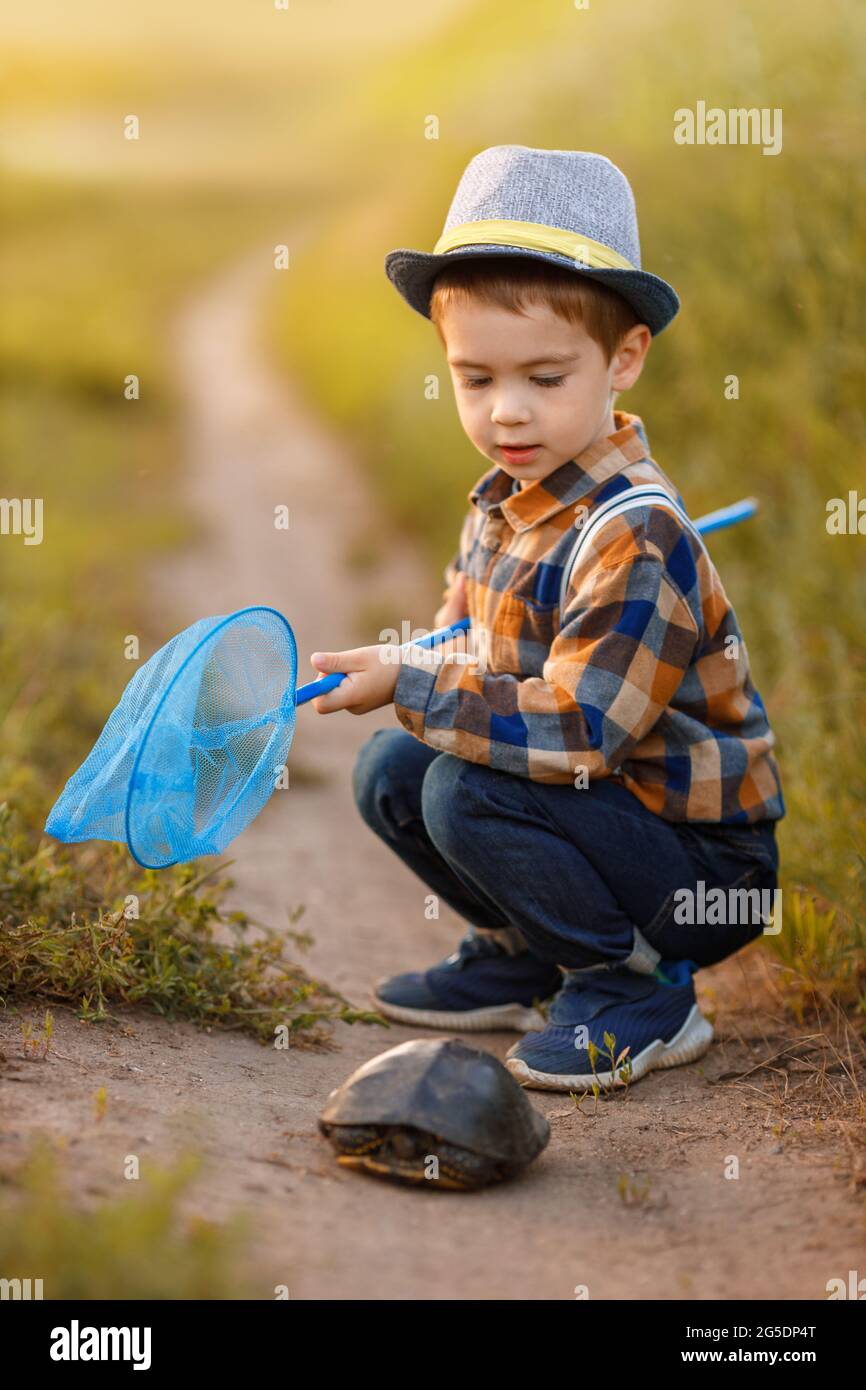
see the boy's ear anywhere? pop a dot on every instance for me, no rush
(630, 356)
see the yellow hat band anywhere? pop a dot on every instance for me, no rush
(533, 236)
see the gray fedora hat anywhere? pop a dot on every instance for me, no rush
(568, 207)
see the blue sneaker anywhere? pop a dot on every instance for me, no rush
(655, 1016)
(489, 982)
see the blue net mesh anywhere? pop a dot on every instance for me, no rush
(193, 750)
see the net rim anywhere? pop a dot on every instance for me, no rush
(224, 622)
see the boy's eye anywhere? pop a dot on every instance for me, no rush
(474, 383)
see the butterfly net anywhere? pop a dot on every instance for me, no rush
(193, 750)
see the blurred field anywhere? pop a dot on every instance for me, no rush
(253, 120)
(140, 1244)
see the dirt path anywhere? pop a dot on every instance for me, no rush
(630, 1199)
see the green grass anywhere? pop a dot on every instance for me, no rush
(97, 942)
(821, 955)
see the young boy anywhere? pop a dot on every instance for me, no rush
(578, 793)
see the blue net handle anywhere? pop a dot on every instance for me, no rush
(710, 521)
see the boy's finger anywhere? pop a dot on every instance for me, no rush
(334, 699)
(326, 662)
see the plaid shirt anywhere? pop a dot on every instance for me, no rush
(644, 676)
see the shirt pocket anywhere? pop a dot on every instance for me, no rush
(535, 584)
(522, 630)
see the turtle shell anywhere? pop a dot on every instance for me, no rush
(445, 1088)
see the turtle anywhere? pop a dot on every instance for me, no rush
(434, 1099)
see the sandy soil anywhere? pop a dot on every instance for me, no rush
(630, 1199)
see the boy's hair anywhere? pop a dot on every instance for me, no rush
(512, 282)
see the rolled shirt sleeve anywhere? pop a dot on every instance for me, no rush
(626, 640)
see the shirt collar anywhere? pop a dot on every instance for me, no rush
(574, 479)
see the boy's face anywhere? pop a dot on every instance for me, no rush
(534, 379)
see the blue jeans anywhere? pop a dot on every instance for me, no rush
(576, 870)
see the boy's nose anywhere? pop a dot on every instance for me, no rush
(509, 414)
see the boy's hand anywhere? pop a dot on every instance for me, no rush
(371, 675)
(369, 682)
(372, 672)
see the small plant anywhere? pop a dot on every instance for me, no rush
(631, 1192)
(620, 1068)
(35, 1046)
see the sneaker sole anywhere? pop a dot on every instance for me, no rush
(690, 1043)
(506, 1017)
